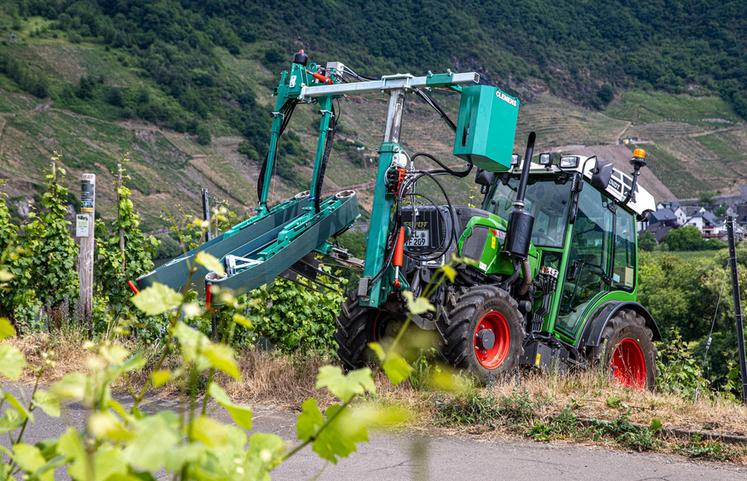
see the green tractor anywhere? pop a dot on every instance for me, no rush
(552, 276)
(551, 273)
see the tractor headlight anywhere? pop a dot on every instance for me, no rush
(544, 159)
(515, 160)
(569, 161)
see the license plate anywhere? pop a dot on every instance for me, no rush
(419, 238)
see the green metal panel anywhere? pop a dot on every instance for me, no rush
(486, 127)
(378, 230)
(492, 260)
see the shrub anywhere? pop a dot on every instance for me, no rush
(296, 316)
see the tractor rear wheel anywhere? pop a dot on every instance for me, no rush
(356, 327)
(483, 333)
(628, 351)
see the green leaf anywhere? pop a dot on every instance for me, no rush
(108, 462)
(104, 425)
(10, 421)
(72, 386)
(374, 415)
(242, 415)
(449, 272)
(265, 453)
(48, 403)
(6, 328)
(221, 357)
(160, 377)
(70, 445)
(421, 305)
(242, 321)
(309, 421)
(396, 368)
(180, 455)
(153, 436)
(339, 437)
(656, 425)
(343, 386)
(197, 348)
(20, 408)
(30, 459)
(210, 432)
(12, 362)
(210, 263)
(157, 299)
(378, 350)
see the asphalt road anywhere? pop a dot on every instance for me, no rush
(416, 457)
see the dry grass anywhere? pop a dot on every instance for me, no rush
(286, 381)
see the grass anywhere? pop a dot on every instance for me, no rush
(723, 147)
(583, 407)
(679, 179)
(646, 107)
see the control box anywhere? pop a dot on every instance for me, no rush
(486, 127)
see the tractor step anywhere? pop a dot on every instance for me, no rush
(262, 247)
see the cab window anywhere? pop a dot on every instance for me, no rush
(547, 199)
(623, 274)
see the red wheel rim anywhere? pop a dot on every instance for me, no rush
(490, 357)
(629, 364)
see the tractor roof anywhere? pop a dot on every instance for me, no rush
(618, 187)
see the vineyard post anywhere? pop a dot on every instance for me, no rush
(84, 231)
(206, 213)
(121, 230)
(737, 306)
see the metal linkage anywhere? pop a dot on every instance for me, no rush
(391, 82)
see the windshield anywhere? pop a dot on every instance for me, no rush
(547, 200)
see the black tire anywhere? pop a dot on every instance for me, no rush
(459, 328)
(626, 330)
(356, 327)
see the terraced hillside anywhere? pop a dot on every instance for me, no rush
(697, 144)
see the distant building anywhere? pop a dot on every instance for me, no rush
(663, 216)
(707, 223)
(659, 231)
(677, 209)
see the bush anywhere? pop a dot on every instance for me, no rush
(295, 316)
(686, 238)
(203, 135)
(679, 372)
(647, 241)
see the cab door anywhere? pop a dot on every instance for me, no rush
(587, 276)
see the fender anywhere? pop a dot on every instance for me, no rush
(592, 336)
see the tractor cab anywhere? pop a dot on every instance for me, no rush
(584, 234)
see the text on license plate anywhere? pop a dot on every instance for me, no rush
(418, 238)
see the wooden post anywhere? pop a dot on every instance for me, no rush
(120, 175)
(206, 213)
(84, 231)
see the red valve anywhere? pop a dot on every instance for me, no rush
(208, 296)
(133, 287)
(320, 77)
(399, 248)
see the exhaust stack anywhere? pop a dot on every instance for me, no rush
(521, 222)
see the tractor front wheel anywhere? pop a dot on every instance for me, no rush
(483, 333)
(628, 351)
(357, 326)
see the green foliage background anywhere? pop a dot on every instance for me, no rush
(580, 51)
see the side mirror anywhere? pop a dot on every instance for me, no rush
(601, 174)
(484, 178)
